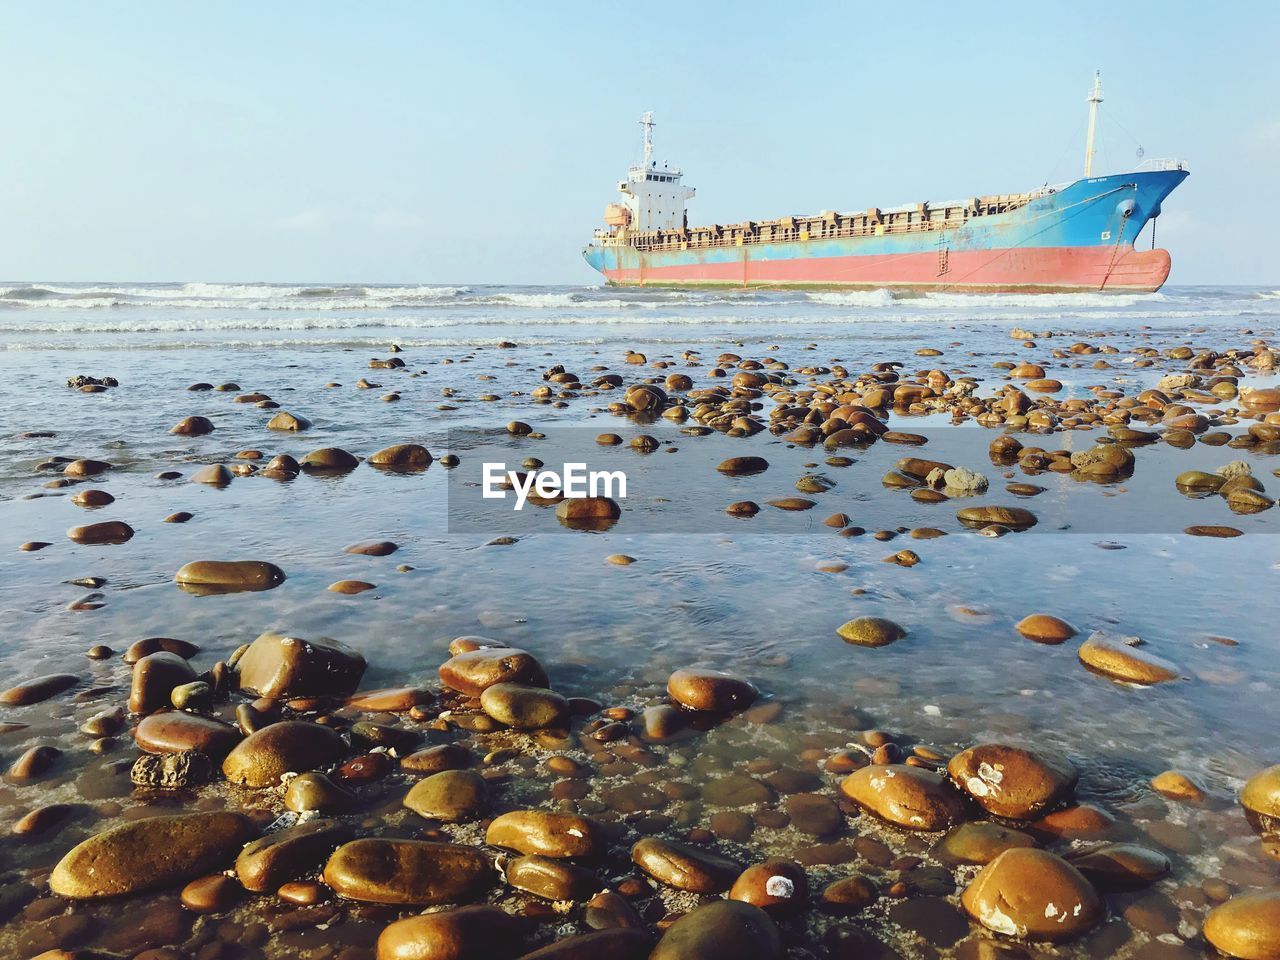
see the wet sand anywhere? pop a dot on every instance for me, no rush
(887, 725)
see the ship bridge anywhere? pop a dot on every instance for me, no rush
(653, 197)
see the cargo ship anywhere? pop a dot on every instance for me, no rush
(1078, 236)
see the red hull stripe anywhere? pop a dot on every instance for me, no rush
(1021, 268)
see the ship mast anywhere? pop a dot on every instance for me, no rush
(648, 123)
(1095, 98)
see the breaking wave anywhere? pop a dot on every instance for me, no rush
(146, 315)
(853, 298)
(252, 296)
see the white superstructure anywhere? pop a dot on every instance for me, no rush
(653, 195)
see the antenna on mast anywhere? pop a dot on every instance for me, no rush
(648, 123)
(1095, 98)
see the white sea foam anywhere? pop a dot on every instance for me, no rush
(143, 315)
(252, 296)
(1041, 301)
(852, 298)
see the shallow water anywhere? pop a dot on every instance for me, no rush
(743, 595)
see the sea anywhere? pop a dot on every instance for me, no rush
(762, 596)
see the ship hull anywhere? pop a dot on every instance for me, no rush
(1080, 238)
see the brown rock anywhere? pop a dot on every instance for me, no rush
(108, 531)
(474, 671)
(814, 814)
(175, 731)
(910, 797)
(215, 893)
(1104, 460)
(408, 871)
(282, 667)
(524, 707)
(316, 792)
(154, 677)
(450, 795)
(283, 420)
(1034, 895)
(289, 854)
(104, 723)
(390, 699)
(329, 460)
(1261, 794)
(372, 548)
(608, 910)
(871, 632)
(737, 790)
(980, 842)
(721, 930)
(145, 854)
(1043, 628)
(445, 756)
(1247, 926)
(777, 885)
(1083, 821)
(149, 645)
(290, 746)
(228, 576)
(622, 943)
(1175, 785)
(743, 465)
(1119, 661)
(214, 475)
(662, 722)
(402, 456)
(38, 689)
(1120, 866)
(1012, 782)
(1015, 518)
(710, 690)
(849, 894)
(193, 426)
(550, 878)
(281, 467)
(85, 468)
(351, 587)
(92, 498)
(304, 893)
(171, 771)
(547, 834)
(33, 764)
(465, 933)
(685, 867)
(43, 819)
(588, 513)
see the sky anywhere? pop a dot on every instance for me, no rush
(417, 142)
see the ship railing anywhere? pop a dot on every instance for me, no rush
(1161, 163)
(1048, 189)
(920, 218)
(736, 236)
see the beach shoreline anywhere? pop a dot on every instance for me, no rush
(954, 526)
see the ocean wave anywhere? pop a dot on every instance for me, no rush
(549, 301)
(852, 298)
(134, 325)
(256, 296)
(587, 302)
(276, 343)
(1042, 301)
